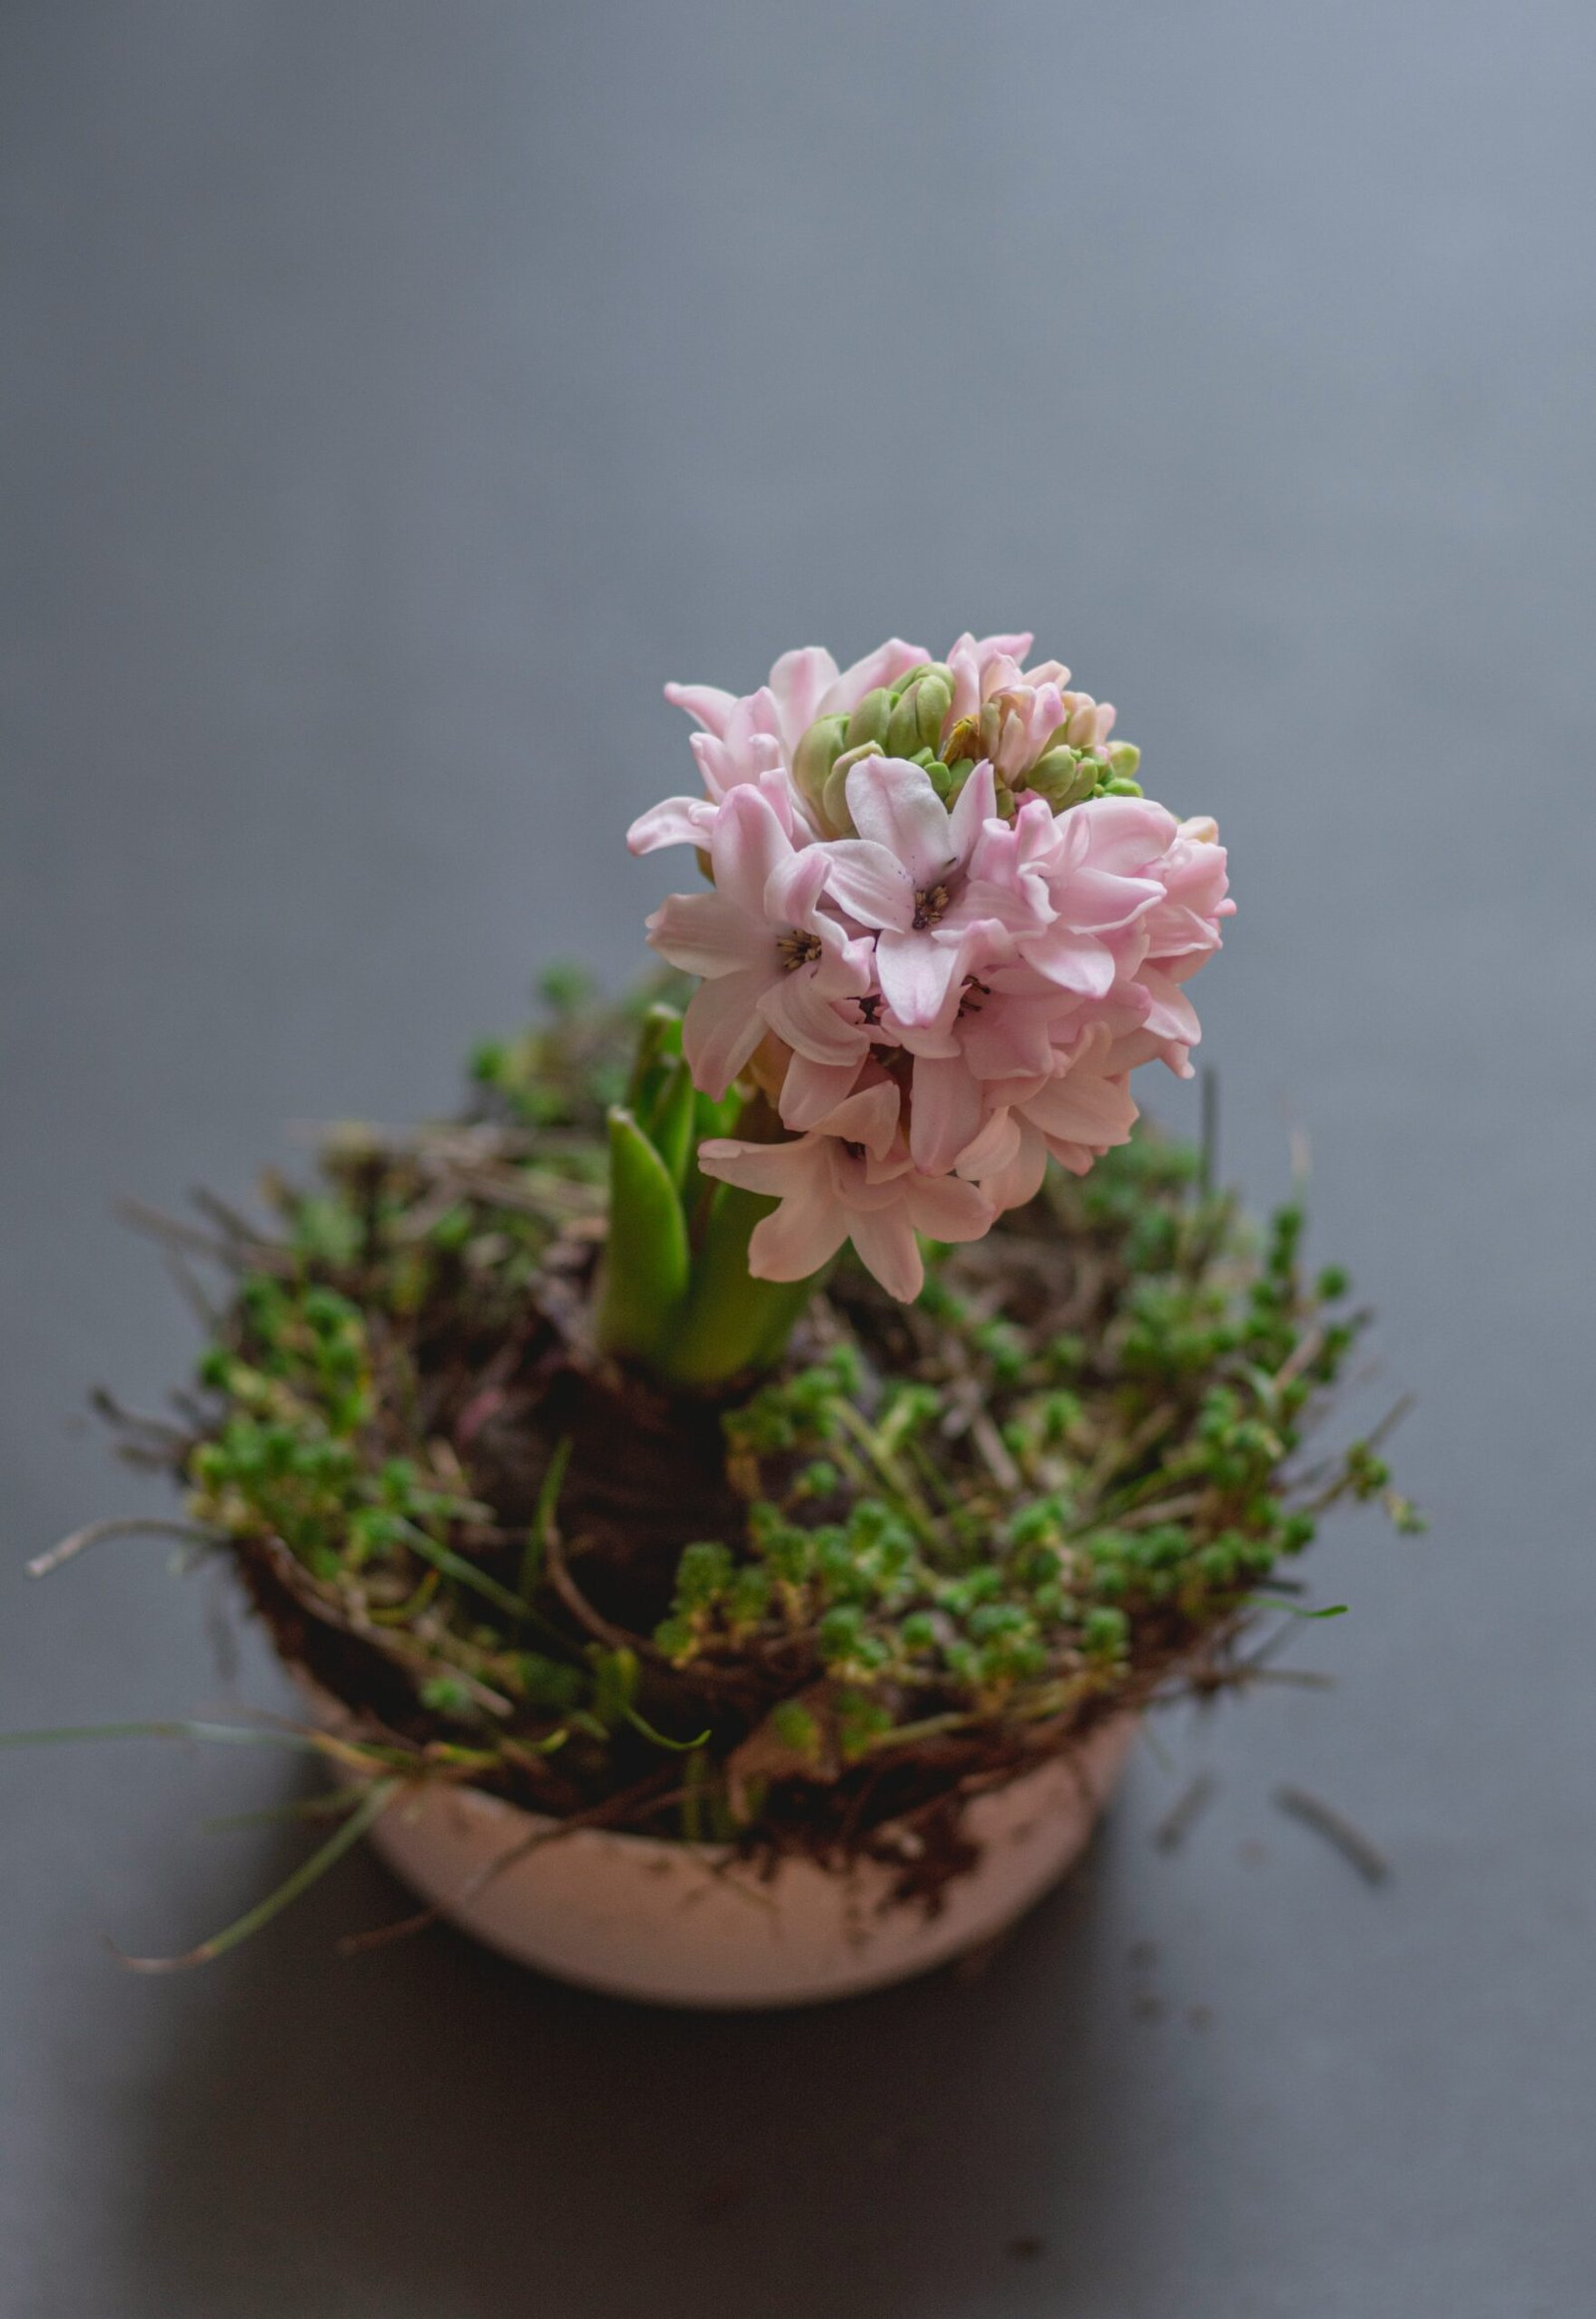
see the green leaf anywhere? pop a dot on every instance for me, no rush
(731, 1321)
(668, 1120)
(645, 1262)
(659, 1045)
(543, 1521)
(464, 1573)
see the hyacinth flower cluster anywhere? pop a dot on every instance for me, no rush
(943, 925)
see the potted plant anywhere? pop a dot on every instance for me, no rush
(728, 1497)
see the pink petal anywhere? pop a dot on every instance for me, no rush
(799, 682)
(749, 845)
(810, 1091)
(1102, 899)
(915, 974)
(868, 881)
(1020, 1178)
(944, 1112)
(706, 703)
(795, 1012)
(676, 821)
(994, 1147)
(887, 1247)
(793, 889)
(894, 804)
(783, 1170)
(977, 803)
(1172, 1015)
(1124, 834)
(730, 764)
(1013, 647)
(703, 934)
(946, 1209)
(1009, 1038)
(870, 1117)
(805, 1232)
(1075, 961)
(1082, 1108)
(885, 666)
(721, 1028)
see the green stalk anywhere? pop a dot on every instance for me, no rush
(730, 1321)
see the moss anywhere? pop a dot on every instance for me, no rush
(1066, 1479)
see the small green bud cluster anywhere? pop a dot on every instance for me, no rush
(912, 719)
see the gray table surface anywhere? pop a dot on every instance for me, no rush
(393, 396)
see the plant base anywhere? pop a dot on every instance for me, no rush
(671, 1923)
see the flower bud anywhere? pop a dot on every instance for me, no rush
(835, 819)
(870, 718)
(1062, 778)
(1123, 759)
(815, 756)
(917, 722)
(921, 671)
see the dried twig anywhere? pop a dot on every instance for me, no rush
(1370, 1862)
(92, 1532)
(1184, 1813)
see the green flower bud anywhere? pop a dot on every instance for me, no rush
(917, 674)
(815, 756)
(918, 719)
(1062, 778)
(1123, 758)
(835, 819)
(870, 718)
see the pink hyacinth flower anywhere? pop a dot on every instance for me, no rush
(851, 1178)
(1083, 1110)
(770, 958)
(906, 876)
(749, 740)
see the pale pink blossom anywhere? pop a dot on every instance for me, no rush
(947, 999)
(770, 958)
(850, 1178)
(1013, 716)
(749, 739)
(1081, 1109)
(904, 875)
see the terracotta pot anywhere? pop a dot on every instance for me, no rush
(674, 1923)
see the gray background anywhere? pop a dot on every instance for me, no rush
(393, 396)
